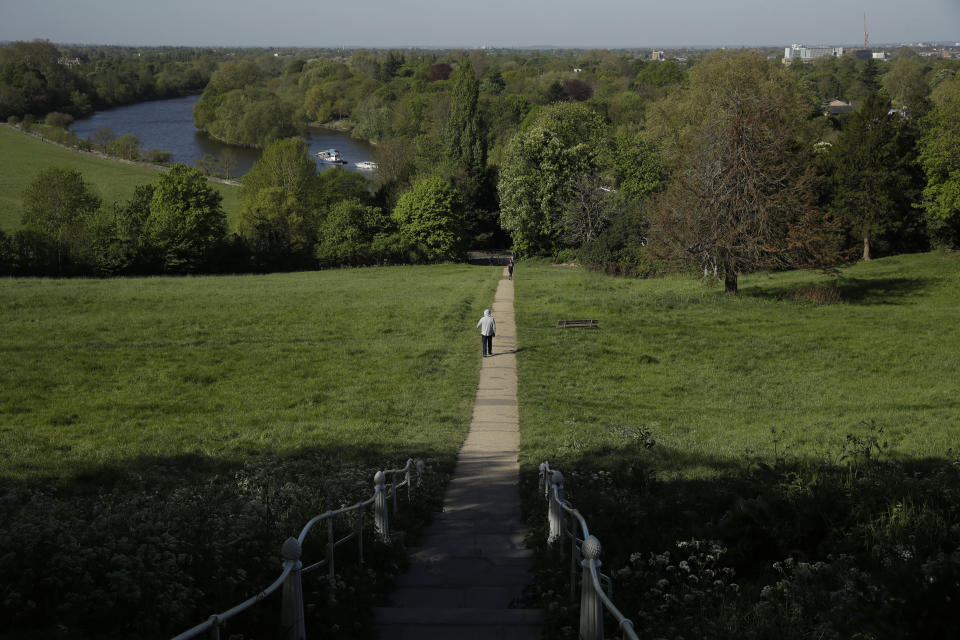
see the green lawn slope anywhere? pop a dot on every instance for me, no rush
(100, 373)
(711, 375)
(22, 156)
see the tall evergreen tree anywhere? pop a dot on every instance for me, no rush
(464, 142)
(877, 178)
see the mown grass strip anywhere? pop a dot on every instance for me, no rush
(23, 156)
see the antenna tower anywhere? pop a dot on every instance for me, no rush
(866, 36)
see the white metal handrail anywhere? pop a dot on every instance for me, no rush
(593, 597)
(292, 618)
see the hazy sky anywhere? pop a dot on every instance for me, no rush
(474, 23)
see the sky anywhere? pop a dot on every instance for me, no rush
(479, 23)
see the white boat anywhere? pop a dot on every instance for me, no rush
(366, 165)
(330, 156)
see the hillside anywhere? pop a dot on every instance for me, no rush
(24, 156)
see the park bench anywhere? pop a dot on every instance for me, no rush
(576, 324)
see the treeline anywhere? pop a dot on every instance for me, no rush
(38, 77)
(292, 218)
(720, 164)
(597, 155)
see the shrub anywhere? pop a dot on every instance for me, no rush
(57, 119)
(150, 556)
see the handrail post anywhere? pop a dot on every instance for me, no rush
(420, 466)
(407, 478)
(554, 510)
(331, 551)
(215, 629)
(292, 614)
(591, 610)
(381, 507)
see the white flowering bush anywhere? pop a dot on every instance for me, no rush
(862, 544)
(154, 555)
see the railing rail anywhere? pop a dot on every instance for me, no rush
(386, 485)
(585, 554)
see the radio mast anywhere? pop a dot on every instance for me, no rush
(866, 36)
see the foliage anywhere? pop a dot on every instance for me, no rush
(58, 206)
(281, 216)
(186, 223)
(430, 217)
(542, 162)
(24, 157)
(940, 159)
(876, 174)
(743, 183)
(355, 234)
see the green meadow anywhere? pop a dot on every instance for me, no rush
(799, 439)
(22, 157)
(709, 375)
(782, 463)
(99, 373)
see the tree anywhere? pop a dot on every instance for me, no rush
(741, 196)
(577, 90)
(940, 159)
(430, 216)
(280, 212)
(637, 167)
(877, 178)
(228, 161)
(540, 167)
(464, 140)
(439, 71)
(118, 245)
(57, 206)
(587, 211)
(348, 234)
(186, 223)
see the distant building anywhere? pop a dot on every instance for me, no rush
(880, 55)
(806, 54)
(659, 56)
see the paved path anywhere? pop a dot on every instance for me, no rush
(473, 564)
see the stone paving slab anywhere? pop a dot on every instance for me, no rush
(472, 565)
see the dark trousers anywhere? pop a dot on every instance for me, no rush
(486, 345)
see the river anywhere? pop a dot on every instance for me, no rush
(168, 125)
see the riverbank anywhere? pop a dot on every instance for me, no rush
(114, 179)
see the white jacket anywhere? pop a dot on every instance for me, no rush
(487, 325)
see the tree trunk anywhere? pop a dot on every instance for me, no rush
(730, 282)
(866, 247)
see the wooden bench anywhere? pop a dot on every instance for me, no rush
(576, 324)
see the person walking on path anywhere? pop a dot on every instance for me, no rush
(510, 268)
(488, 329)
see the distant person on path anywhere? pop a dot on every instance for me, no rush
(488, 329)
(510, 268)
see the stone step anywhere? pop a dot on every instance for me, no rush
(497, 597)
(467, 572)
(432, 623)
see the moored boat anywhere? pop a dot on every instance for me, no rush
(330, 156)
(366, 165)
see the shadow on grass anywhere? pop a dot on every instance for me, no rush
(197, 535)
(885, 530)
(865, 291)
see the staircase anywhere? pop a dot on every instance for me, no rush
(472, 565)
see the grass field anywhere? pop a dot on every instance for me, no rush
(101, 373)
(759, 466)
(22, 157)
(710, 375)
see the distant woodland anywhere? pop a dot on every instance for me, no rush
(717, 163)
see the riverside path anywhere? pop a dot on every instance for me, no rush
(472, 564)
